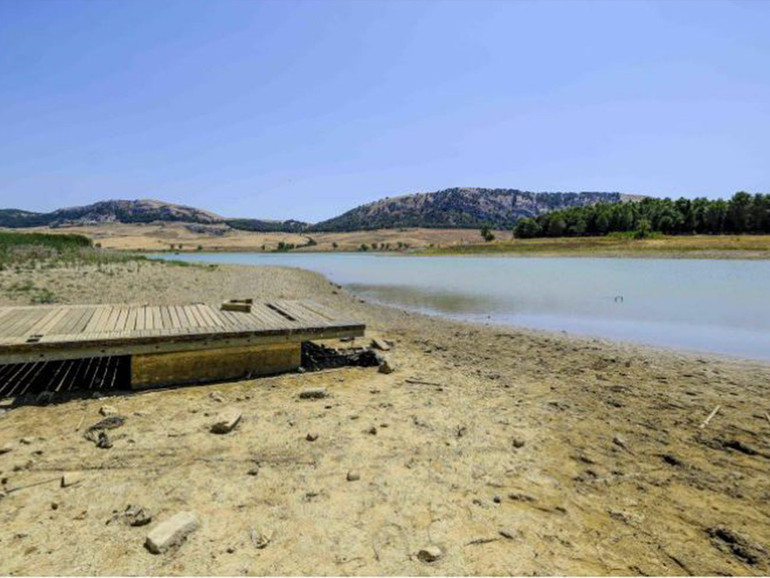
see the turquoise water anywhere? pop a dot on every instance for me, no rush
(705, 305)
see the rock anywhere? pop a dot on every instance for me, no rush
(108, 410)
(380, 344)
(226, 421)
(311, 436)
(313, 393)
(171, 532)
(27, 440)
(253, 471)
(518, 443)
(372, 431)
(4, 449)
(70, 479)
(430, 554)
(386, 367)
(497, 499)
(259, 538)
(137, 516)
(103, 442)
(619, 441)
(216, 396)
(508, 534)
(353, 476)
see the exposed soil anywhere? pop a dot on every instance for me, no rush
(487, 451)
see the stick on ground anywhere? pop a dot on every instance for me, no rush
(711, 415)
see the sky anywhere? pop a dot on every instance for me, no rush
(305, 109)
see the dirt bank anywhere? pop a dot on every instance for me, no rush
(510, 451)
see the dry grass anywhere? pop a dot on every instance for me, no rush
(707, 246)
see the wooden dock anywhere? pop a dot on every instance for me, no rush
(171, 343)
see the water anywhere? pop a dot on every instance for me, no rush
(712, 306)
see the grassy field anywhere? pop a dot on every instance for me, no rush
(709, 246)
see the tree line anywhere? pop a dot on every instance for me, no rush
(742, 214)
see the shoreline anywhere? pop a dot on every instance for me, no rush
(514, 451)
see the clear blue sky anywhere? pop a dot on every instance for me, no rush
(306, 109)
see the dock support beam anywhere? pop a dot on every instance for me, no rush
(201, 366)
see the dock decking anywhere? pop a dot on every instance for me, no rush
(167, 343)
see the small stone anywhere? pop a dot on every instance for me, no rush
(508, 534)
(231, 550)
(253, 471)
(70, 479)
(216, 396)
(103, 442)
(137, 516)
(372, 431)
(4, 449)
(171, 532)
(108, 410)
(313, 393)
(259, 538)
(386, 367)
(497, 499)
(430, 554)
(27, 440)
(380, 344)
(619, 441)
(311, 436)
(54, 505)
(353, 476)
(226, 421)
(518, 443)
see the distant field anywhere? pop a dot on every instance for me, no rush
(707, 246)
(194, 237)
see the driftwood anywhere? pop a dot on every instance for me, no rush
(421, 382)
(711, 415)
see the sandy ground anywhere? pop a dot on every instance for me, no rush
(513, 452)
(165, 236)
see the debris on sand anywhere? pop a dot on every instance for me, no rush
(380, 344)
(429, 554)
(386, 366)
(226, 421)
(4, 449)
(313, 393)
(171, 532)
(97, 432)
(108, 410)
(739, 546)
(311, 436)
(70, 479)
(353, 476)
(259, 539)
(137, 516)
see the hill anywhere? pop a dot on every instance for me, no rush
(461, 208)
(139, 211)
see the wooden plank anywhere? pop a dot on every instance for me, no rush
(165, 318)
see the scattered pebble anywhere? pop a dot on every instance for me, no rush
(518, 443)
(70, 479)
(27, 440)
(253, 471)
(226, 421)
(171, 532)
(4, 449)
(137, 516)
(216, 396)
(311, 436)
(386, 367)
(380, 344)
(430, 554)
(508, 534)
(353, 476)
(108, 410)
(372, 431)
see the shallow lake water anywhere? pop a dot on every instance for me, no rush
(705, 305)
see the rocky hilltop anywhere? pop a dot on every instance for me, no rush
(450, 208)
(461, 208)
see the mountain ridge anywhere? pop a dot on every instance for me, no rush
(460, 207)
